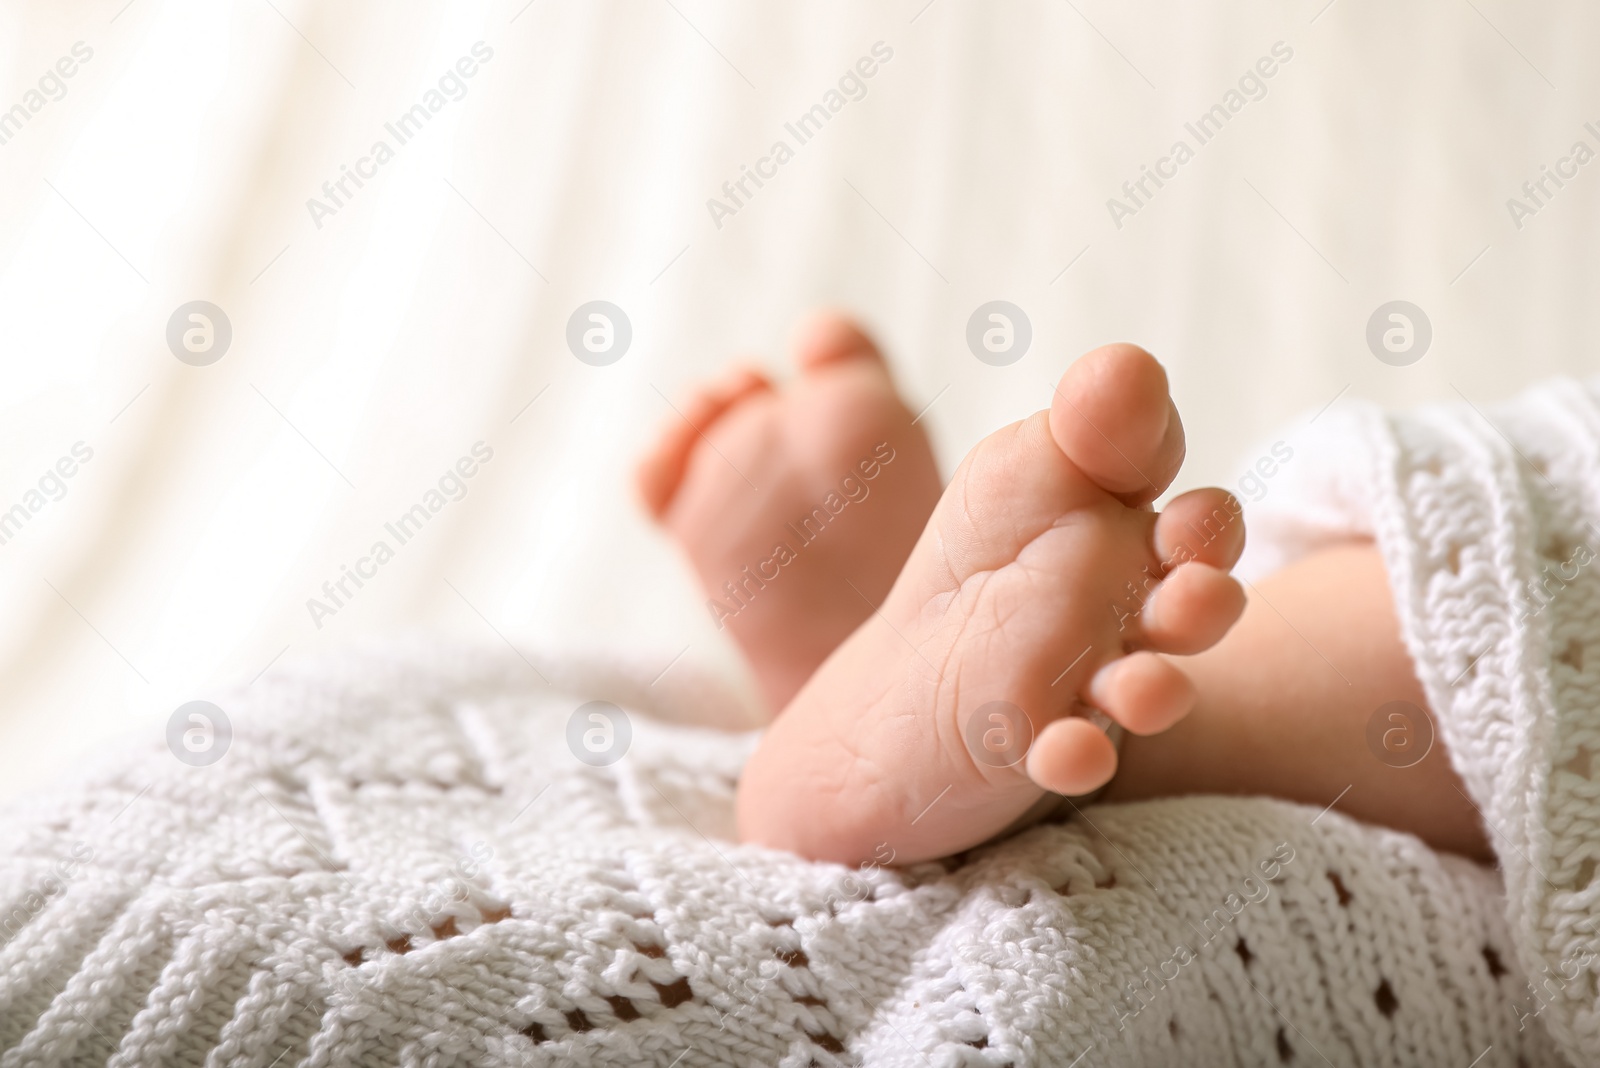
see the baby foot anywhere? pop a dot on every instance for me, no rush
(1042, 586)
(796, 506)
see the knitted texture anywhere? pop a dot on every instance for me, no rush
(399, 860)
(1486, 518)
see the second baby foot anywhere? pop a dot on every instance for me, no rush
(1042, 587)
(797, 506)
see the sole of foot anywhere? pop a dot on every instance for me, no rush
(1042, 587)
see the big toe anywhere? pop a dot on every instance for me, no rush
(1114, 418)
(660, 471)
(828, 337)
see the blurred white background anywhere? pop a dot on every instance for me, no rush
(371, 352)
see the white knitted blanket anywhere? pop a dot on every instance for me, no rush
(399, 860)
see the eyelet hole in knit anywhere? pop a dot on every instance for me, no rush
(1572, 656)
(1581, 764)
(1245, 956)
(1492, 959)
(1556, 548)
(623, 1008)
(827, 1042)
(673, 994)
(1285, 1051)
(1384, 998)
(1339, 889)
(1585, 874)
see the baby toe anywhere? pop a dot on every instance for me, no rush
(1205, 525)
(1191, 610)
(1143, 692)
(1071, 756)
